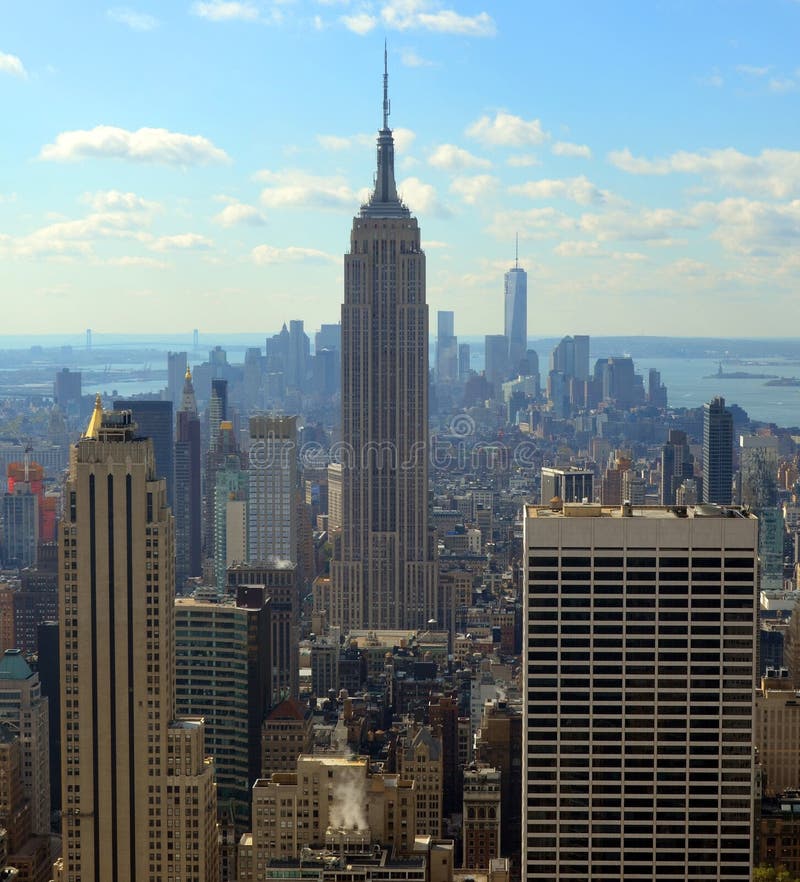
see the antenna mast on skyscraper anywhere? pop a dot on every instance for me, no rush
(386, 102)
(516, 251)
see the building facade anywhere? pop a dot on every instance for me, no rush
(280, 580)
(516, 315)
(188, 496)
(271, 510)
(383, 572)
(717, 452)
(23, 707)
(639, 663)
(128, 765)
(222, 673)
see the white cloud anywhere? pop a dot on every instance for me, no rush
(421, 197)
(474, 187)
(714, 79)
(448, 157)
(138, 260)
(403, 139)
(523, 160)
(181, 242)
(226, 10)
(582, 248)
(580, 190)
(143, 145)
(361, 23)
(293, 188)
(643, 225)
(751, 70)
(410, 59)
(11, 64)
(116, 200)
(268, 254)
(773, 172)
(507, 130)
(533, 223)
(565, 148)
(237, 213)
(344, 142)
(136, 21)
(577, 248)
(78, 237)
(404, 15)
(781, 85)
(752, 227)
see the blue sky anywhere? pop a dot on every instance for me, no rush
(197, 164)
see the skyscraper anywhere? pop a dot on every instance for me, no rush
(188, 498)
(759, 482)
(176, 371)
(217, 414)
(128, 765)
(280, 581)
(383, 572)
(639, 661)
(20, 526)
(272, 491)
(231, 695)
(717, 452)
(217, 410)
(676, 464)
(496, 364)
(446, 347)
(153, 420)
(516, 314)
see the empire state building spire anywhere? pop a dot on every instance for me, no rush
(384, 201)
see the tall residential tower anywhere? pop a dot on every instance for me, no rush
(383, 573)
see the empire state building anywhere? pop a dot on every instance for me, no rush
(383, 572)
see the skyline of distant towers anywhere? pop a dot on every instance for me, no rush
(383, 571)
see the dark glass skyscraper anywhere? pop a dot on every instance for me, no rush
(717, 452)
(154, 420)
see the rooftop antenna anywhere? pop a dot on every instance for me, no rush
(386, 102)
(516, 252)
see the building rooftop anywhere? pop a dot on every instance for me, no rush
(626, 510)
(13, 666)
(289, 709)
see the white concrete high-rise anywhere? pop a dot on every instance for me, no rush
(271, 510)
(383, 572)
(639, 663)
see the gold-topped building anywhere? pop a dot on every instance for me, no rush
(139, 800)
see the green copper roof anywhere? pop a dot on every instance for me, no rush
(13, 666)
